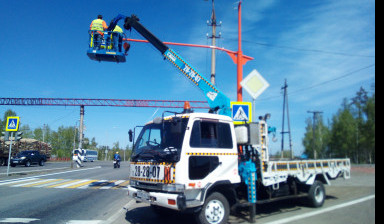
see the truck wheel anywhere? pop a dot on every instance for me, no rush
(316, 194)
(215, 210)
(2, 162)
(42, 163)
(28, 163)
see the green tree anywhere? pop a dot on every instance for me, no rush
(320, 143)
(27, 132)
(370, 129)
(38, 134)
(8, 113)
(344, 133)
(62, 141)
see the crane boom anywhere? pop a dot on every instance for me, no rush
(217, 100)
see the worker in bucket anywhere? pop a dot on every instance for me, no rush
(97, 27)
(117, 38)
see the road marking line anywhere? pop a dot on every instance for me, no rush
(84, 221)
(69, 181)
(17, 220)
(18, 181)
(50, 174)
(321, 211)
(54, 182)
(29, 182)
(30, 171)
(45, 181)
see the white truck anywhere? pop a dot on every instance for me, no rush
(204, 164)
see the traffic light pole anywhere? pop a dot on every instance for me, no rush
(9, 154)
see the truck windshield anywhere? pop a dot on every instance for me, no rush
(160, 142)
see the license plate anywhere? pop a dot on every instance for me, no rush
(152, 172)
(143, 195)
(147, 171)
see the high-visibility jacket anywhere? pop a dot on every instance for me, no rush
(118, 29)
(99, 25)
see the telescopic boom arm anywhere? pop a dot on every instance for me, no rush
(218, 102)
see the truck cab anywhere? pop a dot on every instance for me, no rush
(178, 159)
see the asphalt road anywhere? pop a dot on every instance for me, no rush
(97, 194)
(46, 197)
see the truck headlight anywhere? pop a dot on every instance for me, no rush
(23, 157)
(173, 187)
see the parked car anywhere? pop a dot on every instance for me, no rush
(28, 158)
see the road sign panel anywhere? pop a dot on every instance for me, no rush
(241, 112)
(12, 124)
(254, 84)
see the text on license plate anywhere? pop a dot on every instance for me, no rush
(147, 171)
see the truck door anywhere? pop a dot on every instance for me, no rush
(212, 150)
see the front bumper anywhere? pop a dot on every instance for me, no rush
(175, 201)
(18, 161)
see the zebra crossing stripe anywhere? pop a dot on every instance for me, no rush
(44, 181)
(29, 182)
(17, 181)
(112, 184)
(109, 184)
(86, 183)
(17, 220)
(68, 183)
(52, 183)
(122, 185)
(63, 183)
(98, 184)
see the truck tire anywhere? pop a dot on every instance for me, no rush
(214, 211)
(316, 194)
(42, 163)
(28, 163)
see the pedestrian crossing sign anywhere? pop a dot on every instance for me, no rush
(241, 112)
(12, 124)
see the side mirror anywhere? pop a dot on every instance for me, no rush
(130, 133)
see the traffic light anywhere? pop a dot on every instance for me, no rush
(18, 135)
(6, 135)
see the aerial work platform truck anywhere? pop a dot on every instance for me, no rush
(202, 163)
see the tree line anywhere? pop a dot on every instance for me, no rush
(349, 134)
(65, 139)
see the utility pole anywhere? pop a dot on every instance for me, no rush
(239, 58)
(315, 115)
(81, 127)
(213, 24)
(283, 132)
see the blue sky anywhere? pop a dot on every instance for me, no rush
(324, 48)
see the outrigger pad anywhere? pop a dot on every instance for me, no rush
(102, 55)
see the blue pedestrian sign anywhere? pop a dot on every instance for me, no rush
(241, 112)
(12, 124)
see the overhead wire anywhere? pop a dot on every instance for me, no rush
(322, 83)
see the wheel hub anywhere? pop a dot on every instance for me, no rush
(214, 211)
